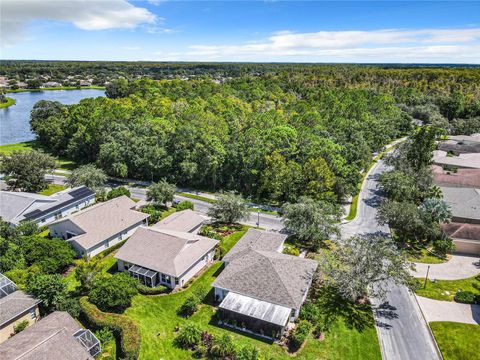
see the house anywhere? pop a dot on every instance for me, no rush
(261, 290)
(186, 221)
(100, 226)
(464, 202)
(51, 84)
(18, 206)
(467, 161)
(166, 257)
(465, 236)
(460, 178)
(15, 308)
(56, 337)
(459, 147)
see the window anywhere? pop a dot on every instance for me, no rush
(165, 279)
(33, 313)
(107, 245)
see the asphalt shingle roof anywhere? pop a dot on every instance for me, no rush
(465, 202)
(15, 304)
(186, 221)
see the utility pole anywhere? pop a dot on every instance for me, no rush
(258, 218)
(426, 277)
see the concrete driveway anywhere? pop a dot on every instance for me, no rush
(458, 267)
(435, 310)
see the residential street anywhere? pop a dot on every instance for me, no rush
(402, 330)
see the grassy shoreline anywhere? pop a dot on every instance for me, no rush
(93, 87)
(8, 103)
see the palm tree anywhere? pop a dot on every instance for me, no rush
(438, 210)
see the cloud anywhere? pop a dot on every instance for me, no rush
(393, 45)
(84, 14)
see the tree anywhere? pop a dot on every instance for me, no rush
(420, 147)
(117, 192)
(437, 210)
(51, 255)
(399, 186)
(25, 170)
(160, 193)
(311, 222)
(113, 293)
(117, 89)
(86, 272)
(319, 179)
(184, 205)
(229, 208)
(33, 83)
(50, 289)
(89, 176)
(364, 264)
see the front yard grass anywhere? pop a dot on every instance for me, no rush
(52, 189)
(424, 256)
(157, 316)
(446, 289)
(457, 341)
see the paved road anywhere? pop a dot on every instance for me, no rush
(401, 328)
(458, 267)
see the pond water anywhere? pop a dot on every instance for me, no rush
(14, 120)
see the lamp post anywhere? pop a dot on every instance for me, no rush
(426, 277)
(258, 218)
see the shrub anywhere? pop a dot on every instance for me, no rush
(219, 252)
(113, 293)
(247, 353)
(117, 192)
(51, 255)
(147, 290)
(467, 297)
(291, 250)
(155, 214)
(190, 305)
(299, 335)
(105, 335)
(123, 327)
(184, 205)
(22, 325)
(188, 337)
(223, 347)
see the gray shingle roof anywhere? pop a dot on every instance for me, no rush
(15, 304)
(186, 221)
(257, 270)
(166, 251)
(104, 220)
(468, 160)
(465, 202)
(256, 240)
(14, 204)
(50, 338)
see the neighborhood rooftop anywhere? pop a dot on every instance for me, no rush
(166, 251)
(186, 220)
(461, 178)
(468, 160)
(15, 304)
(465, 202)
(53, 337)
(466, 138)
(462, 231)
(104, 220)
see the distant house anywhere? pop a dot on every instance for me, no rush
(18, 206)
(459, 147)
(157, 256)
(186, 221)
(98, 227)
(465, 236)
(465, 160)
(15, 307)
(464, 202)
(261, 290)
(56, 336)
(85, 83)
(51, 84)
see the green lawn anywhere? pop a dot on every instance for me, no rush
(7, 103)
(52, 189)
(423, 256)
(457, 341)
(157, 316)
(353, 208)
(438, 290)
(228, 241)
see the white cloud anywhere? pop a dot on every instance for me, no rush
(424, 45)
(84, 14)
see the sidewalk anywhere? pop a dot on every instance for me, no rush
(435, 310)
(458, 267)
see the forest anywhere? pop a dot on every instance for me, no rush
(273, 132)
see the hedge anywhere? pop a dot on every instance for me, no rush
(147, 290)
(467, 297)
(124, 327)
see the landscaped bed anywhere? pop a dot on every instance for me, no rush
(457, 341)
(446, 289)
(424, 256)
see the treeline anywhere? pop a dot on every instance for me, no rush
(274, 137)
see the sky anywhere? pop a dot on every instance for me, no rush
(238, 31)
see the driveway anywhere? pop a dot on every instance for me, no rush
(458, 267)
(435, 310)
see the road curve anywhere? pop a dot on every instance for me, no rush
(402, 330)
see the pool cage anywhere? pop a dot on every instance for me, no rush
(146, 276)
(7, 286)
(88, 341)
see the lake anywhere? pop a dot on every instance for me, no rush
(15, 120)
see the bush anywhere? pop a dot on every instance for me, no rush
(467, 297)
(190, 305)
(113, 293)
(147, 290)
(122, 326)
(223, 347)
(184, 205)
(291, 250)
(219, 252)
(22, 325)
(105, 335)
(188, 337)
(247, 353)
(299, 335)
(117, 192)
(51, 255)
(155, 213)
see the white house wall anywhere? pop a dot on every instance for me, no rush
(194, 269)
(65, 211)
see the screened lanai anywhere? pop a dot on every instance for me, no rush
(88, 341)
(7, 286)
(146, 276)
